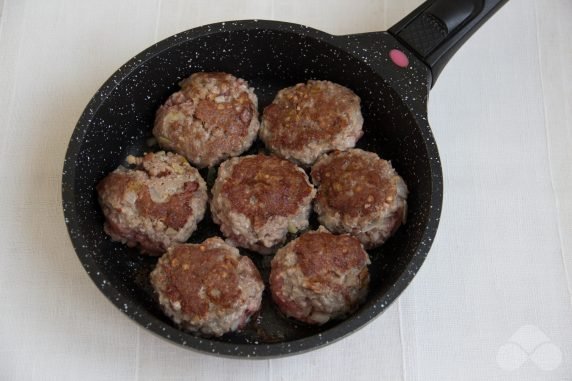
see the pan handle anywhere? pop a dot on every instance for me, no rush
(438, 28)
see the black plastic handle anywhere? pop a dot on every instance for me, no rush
(438, 28)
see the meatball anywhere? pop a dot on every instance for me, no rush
(319, 276)
(207, 288)
(257, 199)
(154, 205)
(307, 120)
(213, 117)
(360, 194)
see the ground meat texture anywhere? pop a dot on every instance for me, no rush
(359, 194)
(207, 288)
(307, 120)
(257, 199)
(319, 276)
(157, 203)
(214, 116)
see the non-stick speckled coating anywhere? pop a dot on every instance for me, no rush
(269, 55)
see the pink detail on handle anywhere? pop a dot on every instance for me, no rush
(399, 58)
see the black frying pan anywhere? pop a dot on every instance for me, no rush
(391, 71)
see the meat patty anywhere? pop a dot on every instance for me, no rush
(154, 205)
(257, 199)
(359, 194)
(213, 117)
(307, 120)
(319, 276)
(207, 288)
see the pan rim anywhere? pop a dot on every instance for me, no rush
(219, 348)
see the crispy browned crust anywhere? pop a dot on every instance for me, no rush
(315, 112)
(320, 253)
(263, 186)
(354, 184)
(203, 113)
(322, 257)
(175, 212)
(196, 275)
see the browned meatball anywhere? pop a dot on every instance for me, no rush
(208, 288)
(214, 116)
(319, 276)
(307, 120)
(257, 199)
(360, 194)
(154, 205)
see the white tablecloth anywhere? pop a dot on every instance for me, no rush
(492, 301)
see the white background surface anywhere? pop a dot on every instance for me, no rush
(502, 261)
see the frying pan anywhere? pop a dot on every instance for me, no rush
(391, 71)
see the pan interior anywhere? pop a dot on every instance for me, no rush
(269, 60)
